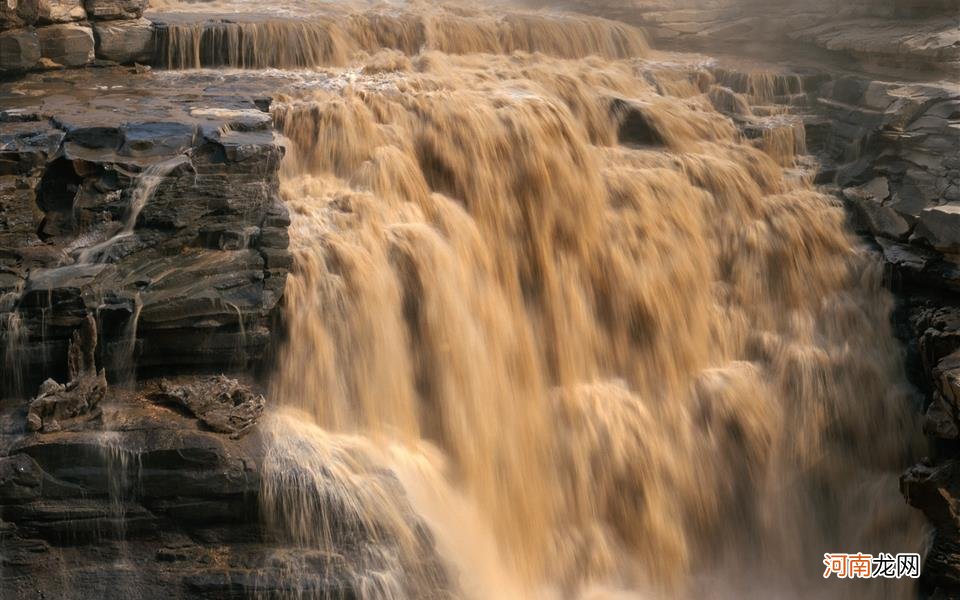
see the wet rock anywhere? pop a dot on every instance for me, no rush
(205, 265)
(115, 9)
(156, 138)
(126, 41)
(940, 228)
(635, 126)
(941, 570)
(727, 101)
(936, 491)
(870, 201)
(58, 405)
(19, 50)
(222, 404)
(942, 419)
(20, 479)
(68, 45)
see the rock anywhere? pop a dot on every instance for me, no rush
(939, 227)
(941, 570)
(936, 491)
(156, 138)
(942, 419)
(125, 42)
(18, 13)
(61, 11)
(20, 479)
(869, 201)
(635, 127)
(206, 263)
(221, 403)
(58, 405)
(19, 50)
(115, 9)
(69, 45)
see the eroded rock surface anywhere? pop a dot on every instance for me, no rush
(164, 223)
(58, 405)
(152, 504)
(222, 404)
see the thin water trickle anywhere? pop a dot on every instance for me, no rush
(13, 336)
(145, 185)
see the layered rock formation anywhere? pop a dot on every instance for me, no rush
(149, 502)
(46, 34)
(164, 225)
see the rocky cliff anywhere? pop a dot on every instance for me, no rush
(159, 218)
(914, 37)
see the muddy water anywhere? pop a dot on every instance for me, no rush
(595, 368)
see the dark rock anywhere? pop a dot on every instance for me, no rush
(20, 479)
(68, 45)
(125, 42)
(936, 491)
(869, 201)
(195, 283)
(636, 126)
(19, 50)
(57, 405)
(18, 13)
(941, 570)
(940, 228)
(156, 139)
(223, 404)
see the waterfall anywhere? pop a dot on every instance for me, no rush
(599, 365)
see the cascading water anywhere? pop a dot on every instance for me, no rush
(145, 184)
(579, 364)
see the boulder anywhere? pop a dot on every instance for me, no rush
(125, 41)
(58, 405)
(68, 45)
(935, 490)
(19, 50)
(222, 404)
(869, 201)
(20, 479)
(115, 9)
(61, 11)
(939, 227)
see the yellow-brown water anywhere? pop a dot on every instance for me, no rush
(597, 370)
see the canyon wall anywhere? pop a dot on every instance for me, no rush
(910, 36)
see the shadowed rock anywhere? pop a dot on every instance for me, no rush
(58, 405)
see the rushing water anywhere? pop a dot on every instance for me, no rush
(589, 369)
